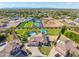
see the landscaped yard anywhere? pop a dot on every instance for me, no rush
(37, 30)
(72, 35)
(21, 25)
(21, 31)
(25, 24)
(53, 31)
(45, 50)
(28, 24)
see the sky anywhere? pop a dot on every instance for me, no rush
(70, 5)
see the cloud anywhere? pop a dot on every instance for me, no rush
(2, 4)
(68, 3)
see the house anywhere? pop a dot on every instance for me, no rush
(2, 25)
(72, 23)
(76, 20)
(15, 18)
(36, 22)
(28, 19)
(17, 52)
(13, 23)
(51, 23)
(38, 40)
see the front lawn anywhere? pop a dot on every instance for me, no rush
(45, 50)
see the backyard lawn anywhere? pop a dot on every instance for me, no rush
(21, 31)
(25, 24)
(28, 24)
(53, 31)
(45, 50)
(21, 25)
(24, 32)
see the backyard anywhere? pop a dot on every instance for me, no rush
(25, 24)
(37, 30)
(25, 27)
(53, 31)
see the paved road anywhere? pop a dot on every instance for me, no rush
(36, 52)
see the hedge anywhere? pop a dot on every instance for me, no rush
(71, 35)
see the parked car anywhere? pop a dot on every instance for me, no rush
(1, 44)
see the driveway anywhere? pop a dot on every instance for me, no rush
(36, 52)
(52, 52)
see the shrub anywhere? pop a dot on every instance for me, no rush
(73, 36)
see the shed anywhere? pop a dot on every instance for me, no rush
(76, 20)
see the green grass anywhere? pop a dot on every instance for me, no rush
(21, 25)
(37, 30)
(21, 32)
(72, 35)
(53, 31)
(28, 24)
(25, 24)
(45, 50)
